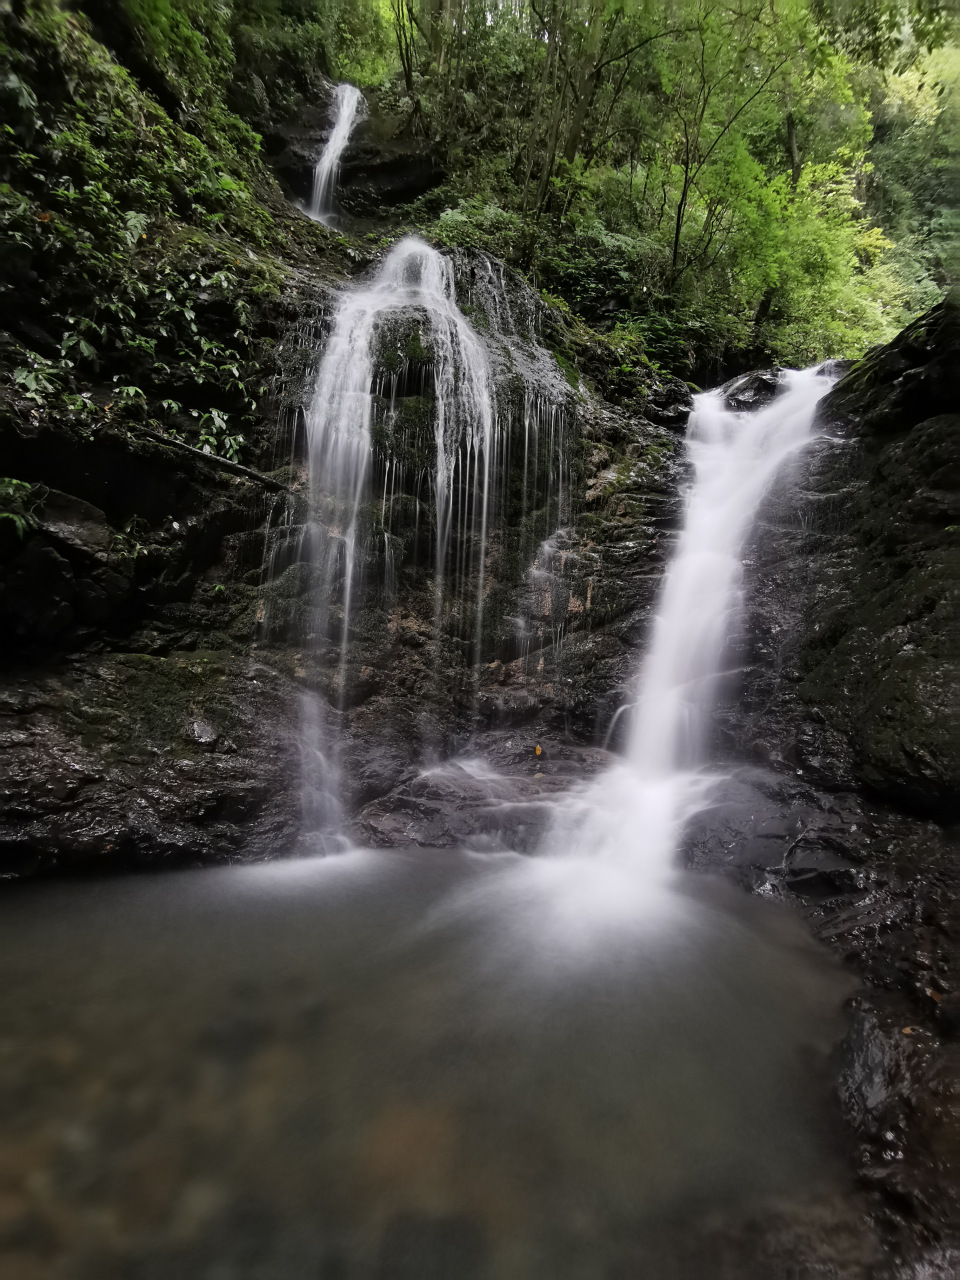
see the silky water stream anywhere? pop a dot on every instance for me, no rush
(445, 1065)
(347, 109)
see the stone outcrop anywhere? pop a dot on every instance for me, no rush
(131, 716)
(853, 661)
(381, 167)
(153, 691)
(844, 715)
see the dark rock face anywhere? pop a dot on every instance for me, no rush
(151, 706)
(498, 802)
(383, 175)
(852, 662)
(583, 499)
(380, 169)
(132, 759)
(846, 706)
(117, 527)
(588, 596)
(751, 390)
(133, 729)
(138, 589)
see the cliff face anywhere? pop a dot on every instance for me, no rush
(160, 630)
(161, 293)
(844, 717)
(128, 601)
(854, 669)
(135, 592)
(156, 678)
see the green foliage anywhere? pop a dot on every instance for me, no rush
(913, 189)
(702, 184)
(150, 250)
(710, 174)
(286, 49)
(475, 223)
(215, 436)
(18, 503)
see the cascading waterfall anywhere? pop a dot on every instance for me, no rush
(406, 433)
(735, 457)
(413, 279)
(634, 813)
(348, 106)
(412, 298)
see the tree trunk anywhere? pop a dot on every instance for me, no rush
(793, 151)
(587, 81)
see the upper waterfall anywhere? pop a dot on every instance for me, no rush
(348, 106)
(413, 277)
(414, 424)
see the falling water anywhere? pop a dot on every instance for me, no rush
(456, 1066)
(414, 424)
(348, 106)
(735, 458)
(634, 813)
(416, 280)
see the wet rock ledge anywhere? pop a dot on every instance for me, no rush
(846, 721)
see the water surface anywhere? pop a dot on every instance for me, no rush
(407, 1067)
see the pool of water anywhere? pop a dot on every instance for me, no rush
(412, 1066)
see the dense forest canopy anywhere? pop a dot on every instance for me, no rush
(708, 183)
(775, 177)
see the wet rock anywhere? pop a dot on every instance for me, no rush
(499, 800)
(752, 390)
(911, 379)
(103, 550)
(202, 733)
(75, 523)
(852, 658)
(948, 1015)
(104, 765)
(378, 176)
(668, 404)
(380, 170)
(37, 595)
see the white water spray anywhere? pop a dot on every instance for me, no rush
(634, 813)
(735, 458)
(348, 105)
(405, 430)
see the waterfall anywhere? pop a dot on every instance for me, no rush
(348, 106)
(634, 813)
(412, 427)
(402, 336)
(735, 457)
(416, 282)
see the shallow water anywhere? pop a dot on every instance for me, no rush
(408, 1067)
